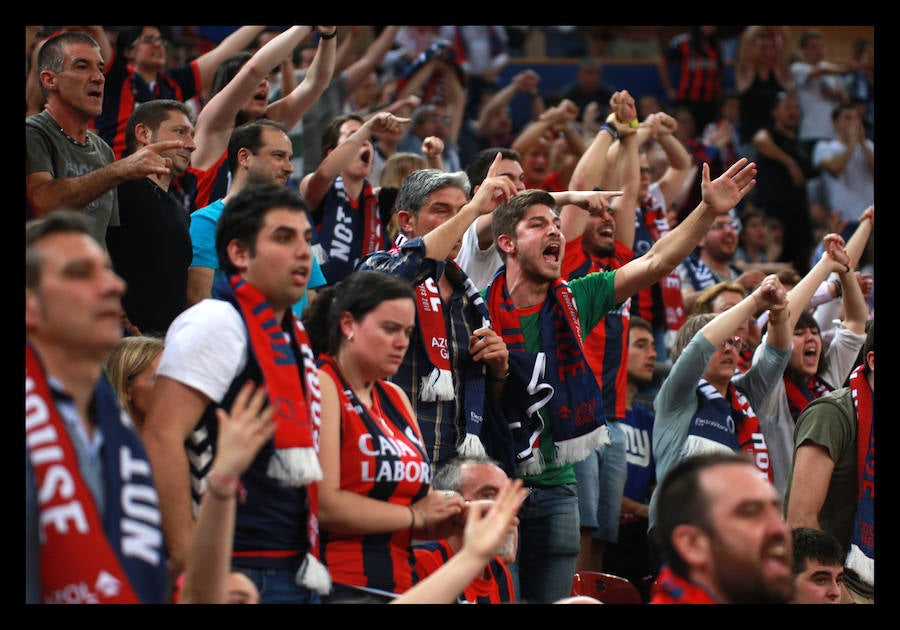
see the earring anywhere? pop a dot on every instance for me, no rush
(350, 337)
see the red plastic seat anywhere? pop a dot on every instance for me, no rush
(606, 587)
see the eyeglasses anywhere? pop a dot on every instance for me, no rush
(437, 118)
(736, 342)
(149, 39)
(734, 224)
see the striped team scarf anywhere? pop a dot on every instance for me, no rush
(801, 394)
(295, 394)
(297, 404)
(731, 423)
(861, 556)
(438, 384)
(576, 418)
(87, 557)
(341, 255)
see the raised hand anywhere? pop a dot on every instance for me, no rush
(725, 191)
(494, 190)
(244, 431)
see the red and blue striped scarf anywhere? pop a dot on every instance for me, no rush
(576, 419)
(861, 556)
(731, 423)
(117, 558)
(801, 394)
(294, 392)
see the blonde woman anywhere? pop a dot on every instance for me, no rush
(131, 370)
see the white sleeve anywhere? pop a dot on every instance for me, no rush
(206, 347)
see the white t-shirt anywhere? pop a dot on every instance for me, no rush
(853, 190)
(206, 347)
(815, 107)
(479, 264)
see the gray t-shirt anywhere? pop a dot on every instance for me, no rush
(48, 149)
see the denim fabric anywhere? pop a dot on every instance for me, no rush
(549, 542)
(277, 586)
(601, 481)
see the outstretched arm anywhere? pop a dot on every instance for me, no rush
(45, 193)
(719, 196)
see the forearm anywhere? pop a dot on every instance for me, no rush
(445, 585)
(349, 513)
(592, 163)
(856, 310)
(799, 296)
(725, 323)
(679, 158)
(439, 242)
(171, 475)
(293, 106)
(680, 241)
(209, 559)
(74, 192)
(858, 241)
(235, 42)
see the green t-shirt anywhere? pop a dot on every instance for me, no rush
(594, 297)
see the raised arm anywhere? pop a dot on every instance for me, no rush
(314, 185)
(563, 113)
(834, 259)
(770, 294)
(525, 82)
(674, 177)
(235, 42)
(860, 237)
(290, 108)
(493, 191)
(216, 120)
(374, 55)
(719, 196)
(593, 164)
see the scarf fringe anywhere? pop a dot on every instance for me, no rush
(295, 467)
(437, 386)
(312, 574)
(533, 465)
(698, 445)
(863, 565)
(471, 446)
(577, 449)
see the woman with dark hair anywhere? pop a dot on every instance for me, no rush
(375, 494)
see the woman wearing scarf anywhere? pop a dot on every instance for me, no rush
(705, 404)
(375, 494)
(815, 369)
